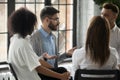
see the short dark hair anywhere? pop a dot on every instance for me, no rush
(48, 11)
(111, 6)
(22, 21)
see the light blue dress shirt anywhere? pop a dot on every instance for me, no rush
(48, 44)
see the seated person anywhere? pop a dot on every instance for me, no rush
(44, 41)
(96, 54)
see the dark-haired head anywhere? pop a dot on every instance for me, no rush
(97, 41)
(22, 22)
(48, 12)
(114, 8)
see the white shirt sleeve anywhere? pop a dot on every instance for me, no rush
(117, 56)
(29, 56)
(75, 60)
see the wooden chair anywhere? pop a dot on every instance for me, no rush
(7, 72)
(96, 74)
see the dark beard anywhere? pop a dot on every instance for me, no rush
(52, 27)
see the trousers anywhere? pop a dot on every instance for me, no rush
(59, 70)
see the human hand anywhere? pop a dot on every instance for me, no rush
(47, 56)
(65, 76)
(70, 52)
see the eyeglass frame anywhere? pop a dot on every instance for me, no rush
(55, 19)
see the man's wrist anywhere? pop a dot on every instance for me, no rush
(43, 58)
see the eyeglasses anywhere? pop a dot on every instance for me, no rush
(55, 19)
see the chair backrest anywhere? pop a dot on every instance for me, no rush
(83, 74)
(7, 72)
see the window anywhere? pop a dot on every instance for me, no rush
(65, 31)
(3, 30)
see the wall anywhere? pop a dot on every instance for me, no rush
(86, 9)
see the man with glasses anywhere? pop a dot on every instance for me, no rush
(44, 41)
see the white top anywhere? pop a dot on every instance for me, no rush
(80, 61)
(23, 58)
(115, 39)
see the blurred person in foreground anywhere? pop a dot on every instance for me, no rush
(96, 54)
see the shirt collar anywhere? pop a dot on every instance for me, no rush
(113, 29)
(14, 36)
(44, 32)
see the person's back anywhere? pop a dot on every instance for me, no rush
(18, 62)
(96, 54)
(86, 63)
(21, 55)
